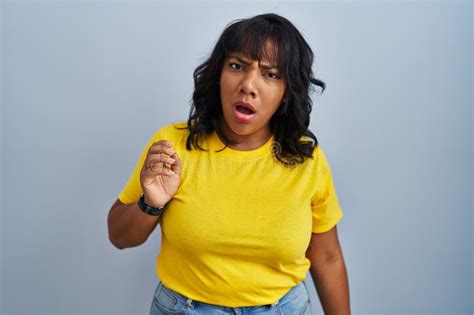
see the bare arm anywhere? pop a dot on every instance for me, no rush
(329, 273)
(128, 225)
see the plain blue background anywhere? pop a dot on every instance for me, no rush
(86, 83)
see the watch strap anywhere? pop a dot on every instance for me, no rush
(149, 209)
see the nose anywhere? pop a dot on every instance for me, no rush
(248, 83)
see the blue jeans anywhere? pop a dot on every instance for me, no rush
(167, 301)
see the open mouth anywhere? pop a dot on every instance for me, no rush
(244, 110)
(244, 114)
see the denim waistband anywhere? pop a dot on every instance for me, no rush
(295, 300)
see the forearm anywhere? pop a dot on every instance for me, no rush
(331, 283)
(129, 226)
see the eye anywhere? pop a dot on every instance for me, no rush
(273, 75)
(235, 66)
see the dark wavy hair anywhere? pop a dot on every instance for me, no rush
(294, 58)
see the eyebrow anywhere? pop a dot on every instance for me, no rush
(243, 60)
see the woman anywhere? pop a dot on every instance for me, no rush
(245, 199)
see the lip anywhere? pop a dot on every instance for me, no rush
(243, 118)
(245, 104)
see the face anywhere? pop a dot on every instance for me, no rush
(260, 85)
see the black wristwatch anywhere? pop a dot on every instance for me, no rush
(149, 209)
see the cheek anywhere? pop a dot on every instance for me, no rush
(277, 97)
(274, 103)
(225, 85)
(269, 111)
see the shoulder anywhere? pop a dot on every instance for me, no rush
(172, 131)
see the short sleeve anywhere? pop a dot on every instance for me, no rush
(325, 207)
(133, 189)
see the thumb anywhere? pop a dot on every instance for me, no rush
(176, 166)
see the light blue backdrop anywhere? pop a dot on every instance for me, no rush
(86, 83)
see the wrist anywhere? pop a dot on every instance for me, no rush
(148, 202)
(149, 209)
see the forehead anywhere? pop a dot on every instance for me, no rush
(266, 53)
(263, 63)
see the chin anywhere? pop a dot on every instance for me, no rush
(241, 130)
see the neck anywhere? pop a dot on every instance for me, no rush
(245, 142)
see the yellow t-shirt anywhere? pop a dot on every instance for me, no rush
(236, 232)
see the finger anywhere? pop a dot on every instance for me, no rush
(175, 157)
(154, 166)
(166, 143)
(159, 148)
(158, 169)
(157, 163)
(160, 157)
(176, 166)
